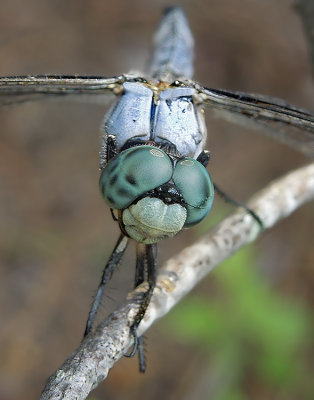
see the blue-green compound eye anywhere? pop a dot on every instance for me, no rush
(196, 187)
(132, 173)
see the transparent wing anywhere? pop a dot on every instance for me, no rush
(274, 117)
(19, 89)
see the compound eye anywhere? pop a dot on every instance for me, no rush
(132, 173)
(196, 187)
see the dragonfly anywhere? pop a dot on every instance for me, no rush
(153, 160)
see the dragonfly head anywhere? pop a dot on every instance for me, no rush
(156, 196)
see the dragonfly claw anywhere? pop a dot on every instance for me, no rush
(135, 344)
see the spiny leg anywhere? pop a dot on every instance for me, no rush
(204, 157)
(140, 275)
(238, 204)
(114, 259)
(141, 264)
(140, 269)
(146, 262)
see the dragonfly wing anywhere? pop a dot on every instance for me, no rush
(273, 117)
(20, 89)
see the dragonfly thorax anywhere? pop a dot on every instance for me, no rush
(169, 115)
(156, 195)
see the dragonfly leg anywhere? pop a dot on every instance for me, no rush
(138, 346)
(141, 267)
(114, 259)
(113, 216)
(108, 148)
(204, 157)
(238, 204)
(146, 264)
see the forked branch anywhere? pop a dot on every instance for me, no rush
(90, 363)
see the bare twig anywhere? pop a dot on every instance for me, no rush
(98, 352)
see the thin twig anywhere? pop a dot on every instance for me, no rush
(90, 363)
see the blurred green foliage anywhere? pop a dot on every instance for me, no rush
(250, 332)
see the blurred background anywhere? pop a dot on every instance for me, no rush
(245, 332)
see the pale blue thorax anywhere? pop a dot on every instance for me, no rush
(164, 114)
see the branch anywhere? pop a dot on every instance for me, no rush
(98, 352)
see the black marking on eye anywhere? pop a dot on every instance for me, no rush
(110, 199)
(113, 180)
(123, 192)
(131, 179)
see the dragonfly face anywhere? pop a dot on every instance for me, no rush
(157, 195)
